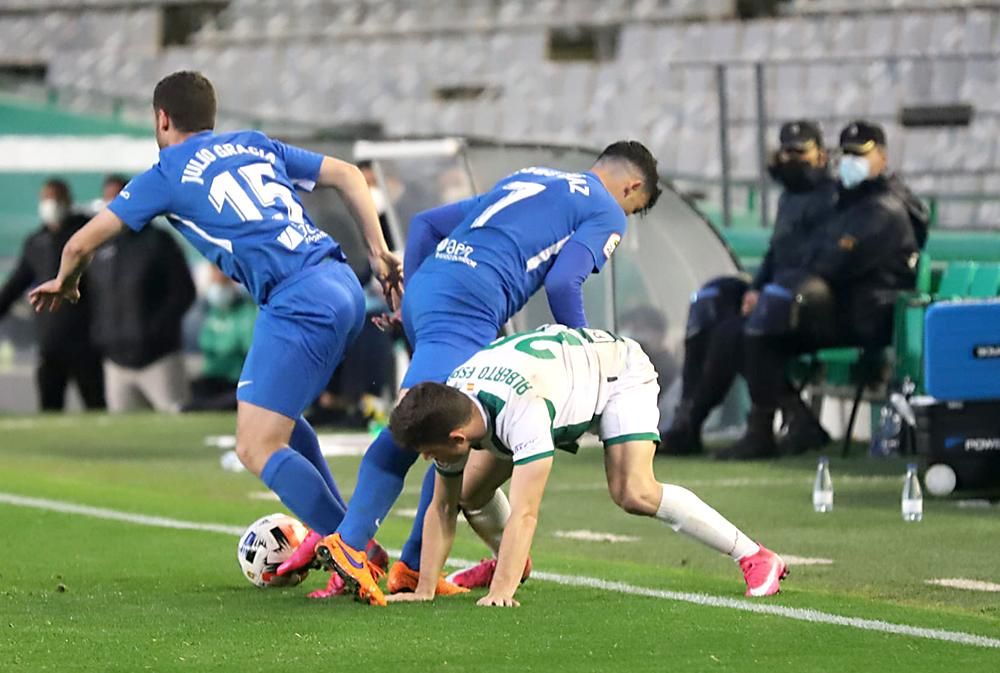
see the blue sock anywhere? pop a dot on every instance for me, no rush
(380, 481)
(302, 489)
(304, 441)
(411, 550)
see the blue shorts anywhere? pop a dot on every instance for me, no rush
(446, 326)
(300, 337)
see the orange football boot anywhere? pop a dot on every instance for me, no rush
(353, 567)
(403, 579)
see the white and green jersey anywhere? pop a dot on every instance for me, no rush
(543, 390)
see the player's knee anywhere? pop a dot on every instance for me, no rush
(637, 497)
(253, 455)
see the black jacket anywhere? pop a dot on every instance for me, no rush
(798, 229)
(68, 329)
(869, 256)
(141, 287)
(920, 216)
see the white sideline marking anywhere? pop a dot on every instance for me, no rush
(755, 606)
(759, 607)
(594, 536)
(270, 496)
(806, 561)
(968, 585)
(115, 515)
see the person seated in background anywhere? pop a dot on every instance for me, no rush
(713, 346)
(65, 351)
(869, 255)
(141, 288)
(224, 340)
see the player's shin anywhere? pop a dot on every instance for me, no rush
(489, 521)
(305, 442)
(686, 513)
(303, 490)
(380, 481)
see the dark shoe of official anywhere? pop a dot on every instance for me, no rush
(804, 433)
(758, 440)
(683, 438)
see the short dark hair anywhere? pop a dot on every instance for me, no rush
(60, 187)
(639, 156)
(188, 98)
(114, 179)
(427, 414)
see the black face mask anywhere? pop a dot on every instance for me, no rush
(796, 175)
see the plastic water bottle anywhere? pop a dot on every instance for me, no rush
(913, 498)
(823, 487)
(885, 442)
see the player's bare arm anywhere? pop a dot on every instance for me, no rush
(347, 179)
(439, 535)
(76, 255)
(527, 484)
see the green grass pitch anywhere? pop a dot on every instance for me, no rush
(79, 593)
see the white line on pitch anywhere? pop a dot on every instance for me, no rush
(966, 584)
(755, 606)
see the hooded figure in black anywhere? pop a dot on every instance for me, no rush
(717, 320)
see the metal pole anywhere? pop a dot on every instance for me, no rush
(727, 197)
(765, 186)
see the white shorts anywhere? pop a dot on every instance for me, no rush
(632, 414)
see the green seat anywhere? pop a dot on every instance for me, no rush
(856, 368)
(908, 328)
(986, 282)
(957, 280)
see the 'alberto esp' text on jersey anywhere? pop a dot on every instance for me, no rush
(232, 195)
(511, 237)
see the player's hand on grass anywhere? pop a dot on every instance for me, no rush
(412, 597)
(498, 601)
(388, 268)
(51, 294)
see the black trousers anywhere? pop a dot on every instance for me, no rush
(714, 355)
(57, 368)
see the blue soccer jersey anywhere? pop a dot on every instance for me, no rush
(509, 240)
(232, 195)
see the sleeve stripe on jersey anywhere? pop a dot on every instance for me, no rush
(634, 437)
(531, 459)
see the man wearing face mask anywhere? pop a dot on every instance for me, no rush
(867, 257)
(113, 183)
(141, 288)
(873, 253)
(720, 310)
(65, 351)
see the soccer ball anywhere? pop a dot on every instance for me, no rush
(265, 545)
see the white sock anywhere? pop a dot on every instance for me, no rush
(489, 521)
(686, 513)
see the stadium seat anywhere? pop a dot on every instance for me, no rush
(986, 282)
(955, 280)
